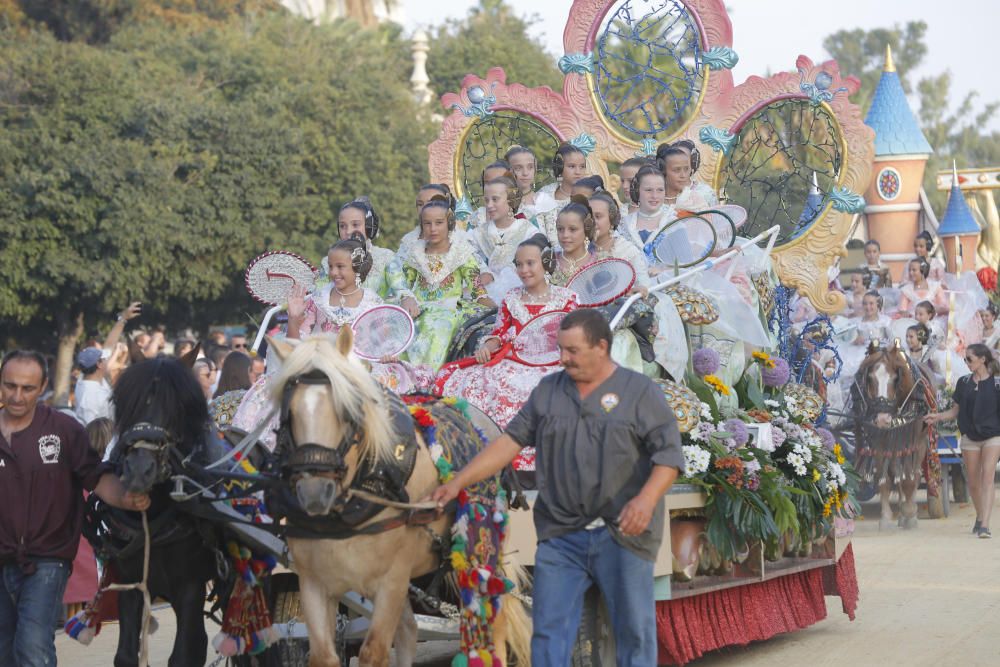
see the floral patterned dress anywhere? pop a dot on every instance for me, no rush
(321, 317)
(501, 386)
(446, 287)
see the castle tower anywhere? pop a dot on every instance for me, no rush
(901, 152)
(958, 229)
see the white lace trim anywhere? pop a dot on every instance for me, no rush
(458, 254)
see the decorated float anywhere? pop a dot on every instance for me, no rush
(760, 527)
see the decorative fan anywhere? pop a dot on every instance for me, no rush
(602, 282)
(271, 276)
(383, 331)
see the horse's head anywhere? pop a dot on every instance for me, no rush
(885, 380)
(333, 417)
(159, 405)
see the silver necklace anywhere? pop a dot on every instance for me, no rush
(343, 295)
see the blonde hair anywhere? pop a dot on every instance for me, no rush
(355, 394)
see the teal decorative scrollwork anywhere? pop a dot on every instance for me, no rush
(719, 140)
(463, 209)
(846, 201)
(648, 147)
(480, 102)
(585, 143)
(819, 91)
(576, 63)
(720, 57)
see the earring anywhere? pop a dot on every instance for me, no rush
(357, 281)
(548, 281)
(510, 212)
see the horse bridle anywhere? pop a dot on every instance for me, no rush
(152, 438)
(310, 457)
(882, 403)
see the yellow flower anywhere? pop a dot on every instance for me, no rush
(827, 507)
(816, 474)
(716, 384)
(839, 453)
(764, 358)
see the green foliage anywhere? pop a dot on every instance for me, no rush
(490, 36)
(156, 167)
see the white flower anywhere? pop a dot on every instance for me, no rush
(835, 475)
(751, 466)
(803, 451)
(696, 460)
(771, 403)
(797, 463)
(706, 411)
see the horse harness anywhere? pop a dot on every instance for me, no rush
(349, 515)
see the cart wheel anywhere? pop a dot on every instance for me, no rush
(960, 489)
(286, 606)
(595, 641)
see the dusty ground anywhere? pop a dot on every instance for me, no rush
(928, 597)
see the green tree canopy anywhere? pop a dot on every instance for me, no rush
(157, 166)
(491, 35)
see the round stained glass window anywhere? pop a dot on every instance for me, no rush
(648, 67)
(888, 183)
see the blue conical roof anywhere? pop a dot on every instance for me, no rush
(957, 219)
(896, 129)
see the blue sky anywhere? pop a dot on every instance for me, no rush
(961, 36)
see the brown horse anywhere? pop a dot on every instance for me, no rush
(890, 397)
(340, 421)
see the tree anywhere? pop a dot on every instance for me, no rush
(490, 36)
(155, 167)
(955, 131)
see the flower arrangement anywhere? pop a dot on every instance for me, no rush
(763, 488)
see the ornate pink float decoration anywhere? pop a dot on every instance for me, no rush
(791, 148)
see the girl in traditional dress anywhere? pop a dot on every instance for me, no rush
(626, 173)
(861, 282)
(569, 165)
(991, 332)
(330, 307)
(919, 288)
(695, 195)
(575, 232)
(524, 167)
(437, 279)
(358, 217)
(873, 263)
(609, 243)
(588, 186)
(872, 325)
(424, 195)
(493, 380)
(493, 171)
(923, 247)
(498, 238)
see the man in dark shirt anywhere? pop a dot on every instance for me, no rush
(45, 464)
(607, 450)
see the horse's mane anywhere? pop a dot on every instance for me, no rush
(357, 397)
(165, 393)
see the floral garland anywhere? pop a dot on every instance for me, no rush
(479, 520)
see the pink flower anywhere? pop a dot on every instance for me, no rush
(777, 376)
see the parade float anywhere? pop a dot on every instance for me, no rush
(760, 527)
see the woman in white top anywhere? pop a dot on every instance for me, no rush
(569, 165)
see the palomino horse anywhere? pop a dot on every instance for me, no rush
(890, 397)
(338, 426)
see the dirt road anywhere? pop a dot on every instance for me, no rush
(929, 597)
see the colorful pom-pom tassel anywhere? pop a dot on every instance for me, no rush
(460, 660)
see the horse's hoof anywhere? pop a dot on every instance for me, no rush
(910, 523)
(886, 524)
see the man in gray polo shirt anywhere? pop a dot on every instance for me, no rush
(607, 450)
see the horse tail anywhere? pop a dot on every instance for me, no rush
(515, 624)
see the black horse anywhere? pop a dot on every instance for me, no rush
(161, 419)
